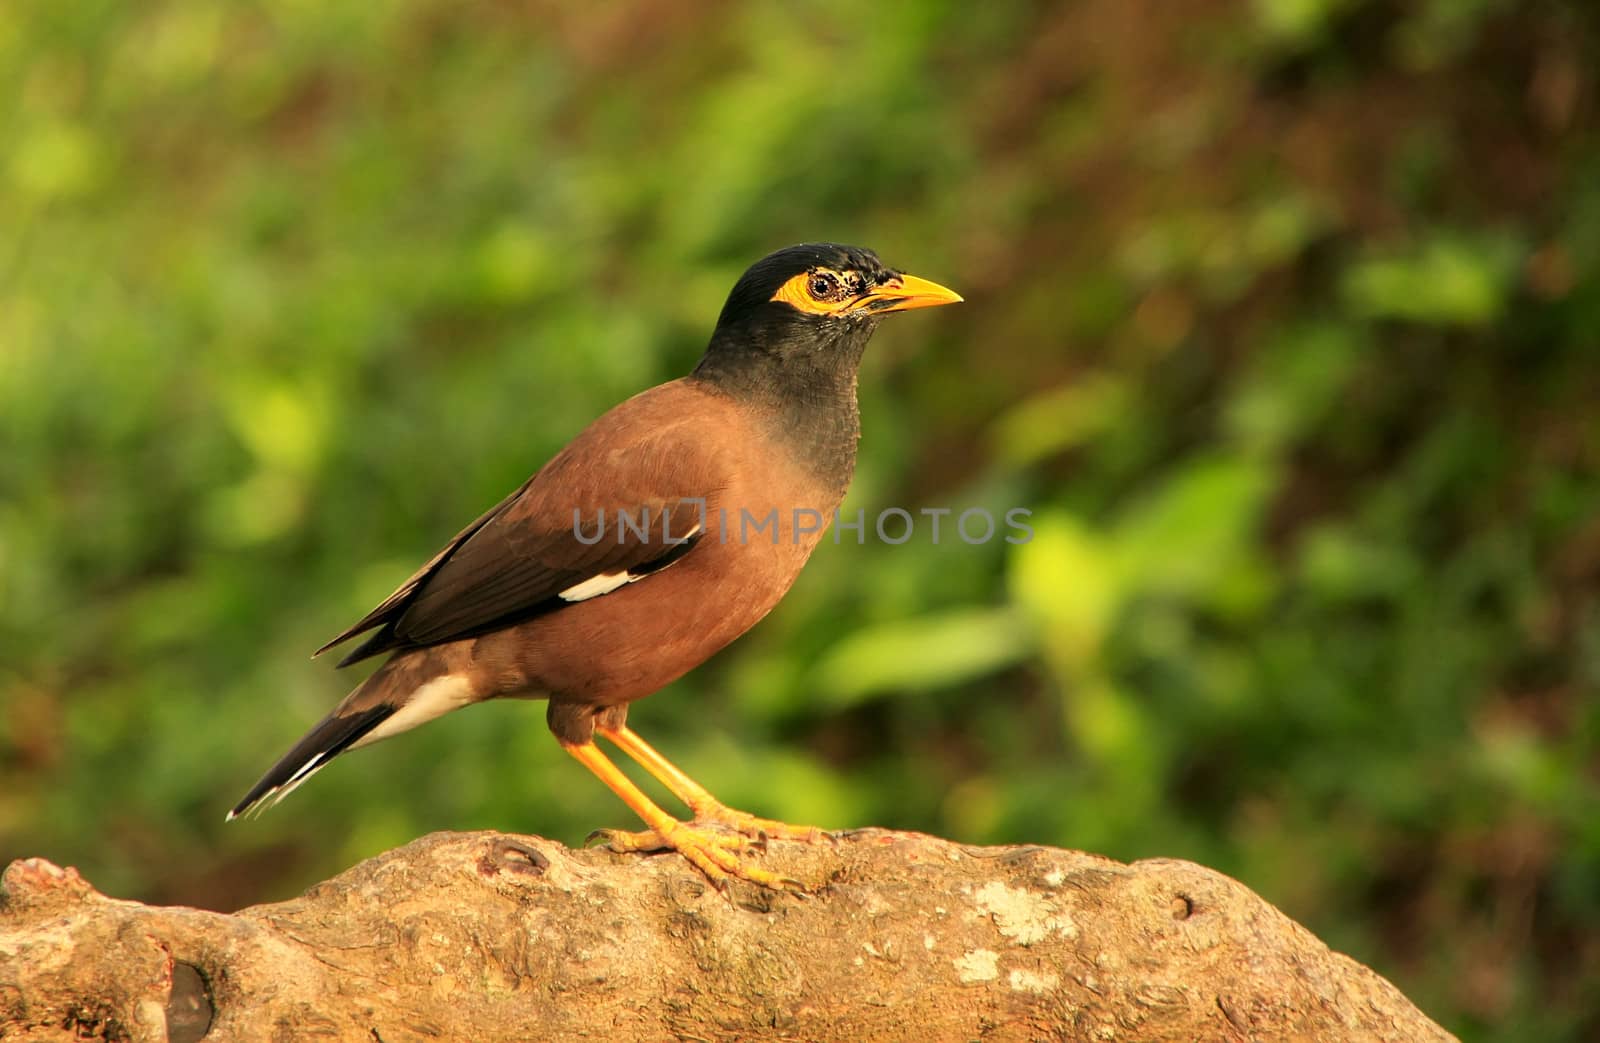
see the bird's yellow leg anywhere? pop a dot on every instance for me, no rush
(707, 809)
(710, 852)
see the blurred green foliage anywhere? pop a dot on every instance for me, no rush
(1282, 317)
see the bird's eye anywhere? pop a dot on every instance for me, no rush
(824, 287)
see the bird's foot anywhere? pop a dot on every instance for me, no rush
(648, 840)
(715, 813)
(714, 853)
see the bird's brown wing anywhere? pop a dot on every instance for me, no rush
(545, 546)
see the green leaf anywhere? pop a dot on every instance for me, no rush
(928, 652)
(1446, 281)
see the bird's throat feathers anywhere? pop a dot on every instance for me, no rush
(801, 381)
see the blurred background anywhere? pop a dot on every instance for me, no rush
(1282, 316)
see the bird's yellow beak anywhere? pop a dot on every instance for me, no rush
(904, 292)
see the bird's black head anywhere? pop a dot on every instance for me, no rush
(802, 316)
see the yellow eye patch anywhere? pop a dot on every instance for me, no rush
(820, 291)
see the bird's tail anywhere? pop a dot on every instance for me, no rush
(332, 735)
(406, 691)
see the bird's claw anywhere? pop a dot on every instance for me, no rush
(758, 829)
(605, 836)
(648, 840)
(714, 852)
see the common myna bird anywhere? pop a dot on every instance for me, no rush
(663, 531)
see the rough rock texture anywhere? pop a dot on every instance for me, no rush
(482, 936)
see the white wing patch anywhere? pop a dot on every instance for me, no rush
(594, 586)
(606, 582)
